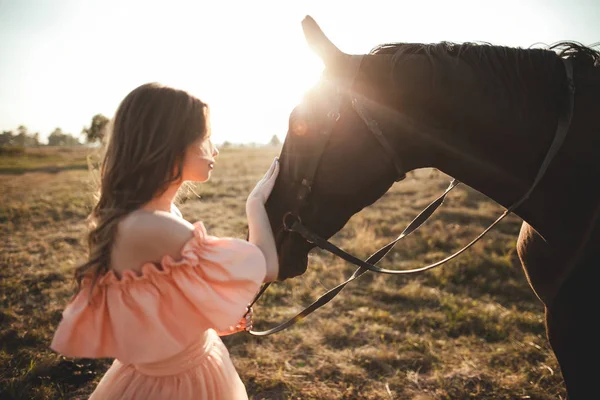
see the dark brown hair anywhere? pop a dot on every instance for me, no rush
(146, 143)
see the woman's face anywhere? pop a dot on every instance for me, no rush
(199, 160)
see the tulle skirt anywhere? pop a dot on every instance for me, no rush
(203, 371)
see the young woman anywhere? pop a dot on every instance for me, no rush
(157, 291)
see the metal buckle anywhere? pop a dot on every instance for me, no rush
(289, 219)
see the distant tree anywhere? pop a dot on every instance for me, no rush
(7, 138)
(22, 138)
(35, 139)
(275, 141)
(71, 140)
(96, 130)
(59, 138)
(56, 138)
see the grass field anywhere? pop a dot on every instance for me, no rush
(44, 159)
(471, 329)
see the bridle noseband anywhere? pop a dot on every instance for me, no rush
(293, 223)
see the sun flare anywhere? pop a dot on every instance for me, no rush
(255, 105)
(306, 74)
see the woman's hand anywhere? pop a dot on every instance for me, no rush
(245, 324)
(263, 188)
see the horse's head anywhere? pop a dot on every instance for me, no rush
(464, 109)
(331, 164)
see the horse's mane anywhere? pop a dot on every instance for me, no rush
(496, 60)
(516, 70)
(577, 51)
(482, 51)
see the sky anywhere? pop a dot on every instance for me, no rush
(63, 61)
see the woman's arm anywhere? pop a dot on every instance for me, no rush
(259, 228)
(260, 234)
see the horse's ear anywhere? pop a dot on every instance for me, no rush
(344, 66)
(333, 57)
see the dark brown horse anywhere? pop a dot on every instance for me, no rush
(486, 115)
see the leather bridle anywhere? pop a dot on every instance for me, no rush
(293, 223)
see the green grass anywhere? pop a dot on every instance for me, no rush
(471, 329)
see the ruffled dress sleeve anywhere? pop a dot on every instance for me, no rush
(152, 315)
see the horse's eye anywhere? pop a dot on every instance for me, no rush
(299, 127)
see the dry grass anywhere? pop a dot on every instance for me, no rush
(45, 159)
(471, 329)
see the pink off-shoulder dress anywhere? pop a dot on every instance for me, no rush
(161, 325)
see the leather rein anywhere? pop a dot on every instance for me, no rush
(293, 223)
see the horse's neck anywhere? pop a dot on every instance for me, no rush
(498, 182)
(486, 124)
(500, 160)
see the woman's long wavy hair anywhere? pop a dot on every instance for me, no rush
(147, 139)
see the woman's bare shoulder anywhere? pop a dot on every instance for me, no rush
(147, 236)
